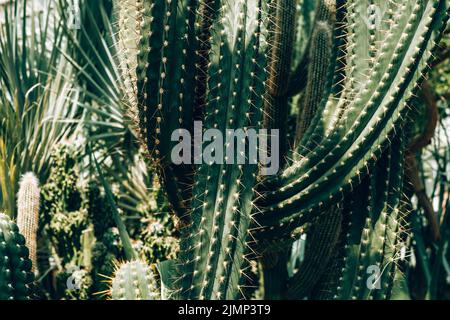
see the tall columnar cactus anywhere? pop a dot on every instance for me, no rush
(134, 280)
(16, 278)
(227, 64)
(319, 56)
(165, 78)
(129, 18)
(234, 99)
(282, 18)
(214, 244)
(28, 212)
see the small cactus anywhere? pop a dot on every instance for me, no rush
(16, 278)
(28, 212)
(134, 280)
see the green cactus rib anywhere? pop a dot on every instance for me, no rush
(282, 19)
(324, 238)
(134, 280)
(166, 71)
(392, 225)
(365, 31)
(360, 137)
(323, 11)
(128, 14)
(345, 263)
(206, 18)
(320, 57)
(214, 244)
(358, 66)
(335, 76)
(16, 278)
(371, 236)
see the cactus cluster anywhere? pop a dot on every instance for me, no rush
(231, 65)
(16, 277)
(18, 243)
(345, 71)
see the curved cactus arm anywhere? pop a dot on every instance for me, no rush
(214, 244)
(16, 278)
(368, 123)
(367, 24)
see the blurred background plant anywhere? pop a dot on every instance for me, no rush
(62, 88)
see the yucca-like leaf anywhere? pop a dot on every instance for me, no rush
(37, 97)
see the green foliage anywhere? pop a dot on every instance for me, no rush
(64, 211)
(36, 93)
(427, 271)
(99, 211)
(103, 263)
(81, 281)
(158, 238)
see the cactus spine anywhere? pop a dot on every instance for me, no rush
(28, 213)
(16, 278)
